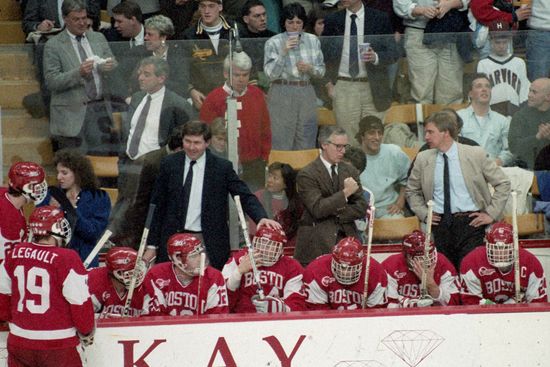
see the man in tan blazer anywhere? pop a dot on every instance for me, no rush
(459, 226)
(332, 201)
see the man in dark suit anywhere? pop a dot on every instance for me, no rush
(332, 196)
(358, 81)
(191, 195)
(76, 63)
(153, 113)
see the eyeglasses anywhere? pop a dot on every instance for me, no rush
(339, 147)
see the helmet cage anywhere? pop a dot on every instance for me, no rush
(270, 251)
(36, 192)
(125, 276)
(500, 254)
(180, 260)
(60, 229)
(346, 273)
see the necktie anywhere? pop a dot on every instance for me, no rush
(353, 58)
(447, 215)
(334, 175)
(187, 190)
(140, 127)
(89, 84)
(132, 42)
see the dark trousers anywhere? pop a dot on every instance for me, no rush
(458, 239)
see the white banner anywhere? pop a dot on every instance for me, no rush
(514, 336)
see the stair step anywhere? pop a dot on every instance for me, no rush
(16, 64)
(10, 10)
(35, 149)
(14, 91)
(18, 123)
(11, 32)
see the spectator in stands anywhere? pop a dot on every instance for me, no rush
(280, 200)
(218, 143)
(332, 196)
(158, 32)
(538, 41)
(281, 277)
(358, 83)
(148, 7)
(291, 59)
(507, 73)
(86, 206)
(487, 273)
(255, 129)
(75, 62)
(126, 38)
(180, 12)
(435, 70)
(152, 116)
(530, 126)
(455, 177)
(386, 173)
(483, 125)
(405, 273)
(336, 281)
(252, 26)
(207, 50)
(41, 21)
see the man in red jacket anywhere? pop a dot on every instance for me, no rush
(255, 128)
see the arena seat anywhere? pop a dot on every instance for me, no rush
(394, 228)
(405, 113)
(104, 166)
(113, 194)
(428, 109)
(528, 224)
(325, 117)
(411, 152)
(298, 159)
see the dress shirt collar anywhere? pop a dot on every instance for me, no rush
(157, 94)
(230, 91)
(201, 161)
(73, 36)
(451, 153)
(360, 13)
(327, 164)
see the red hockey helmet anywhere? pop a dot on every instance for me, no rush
(269, 242)
(49, 220)
(347, 260)
(27, 178)
(121, 262)
(413, 248)
(183, 246)
(499, 241)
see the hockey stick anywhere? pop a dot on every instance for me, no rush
(99, 245)
(201, 275)
(517, 285)
(141, 249)
(369, 245)
(423, 281)
(244, 227)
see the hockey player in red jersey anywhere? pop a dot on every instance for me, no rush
(44, 296)
(25, 184)
(487, 273)
(280, 276)
(405, 271)
(177, 288)
(109, 284)
(337, 280)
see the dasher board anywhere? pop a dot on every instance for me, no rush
(461, 336)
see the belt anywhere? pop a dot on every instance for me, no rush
(189, 231)
(296, 83)
(460, 214)
(346, 79)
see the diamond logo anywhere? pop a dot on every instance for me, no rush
(412, 346)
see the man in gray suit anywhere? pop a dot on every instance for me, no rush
(456, 178)
(153, 114)
(75, 64)
(332, 197)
